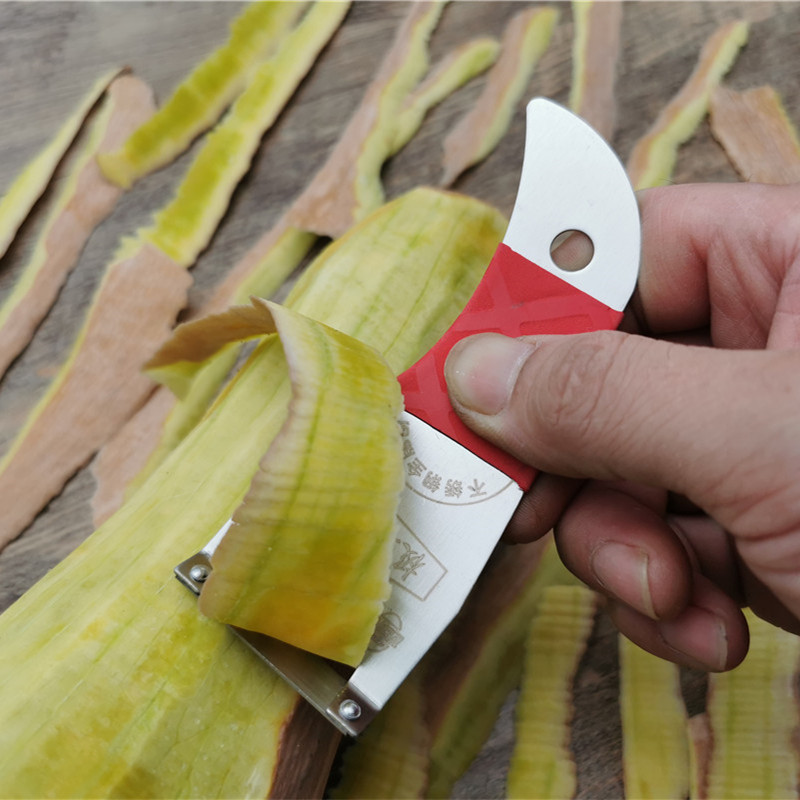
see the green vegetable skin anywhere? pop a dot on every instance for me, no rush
(126, 688)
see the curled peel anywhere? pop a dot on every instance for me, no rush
(307, 559)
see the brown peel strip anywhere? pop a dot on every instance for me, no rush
(157, 427)
(28, 187)
(348, 186)
(700, 746)
(85, 201)
(757, 134)
(524, 41)
(88, 401)
(653, 157)
(595, 53)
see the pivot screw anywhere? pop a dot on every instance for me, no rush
(349, 709)
(199, 573)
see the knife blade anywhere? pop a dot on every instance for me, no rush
(461, 491)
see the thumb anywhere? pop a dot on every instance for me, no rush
(710, 424)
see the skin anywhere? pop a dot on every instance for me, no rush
(670, 450)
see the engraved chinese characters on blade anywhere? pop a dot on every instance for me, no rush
(414, 567)
(428, 476)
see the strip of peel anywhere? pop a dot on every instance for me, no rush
(756, 133)
(595, 52)
(653, 157)
(753, 715)
(524, 41)
(200, 99)
(542, 764)
(183, 228)
(454, 70)
(85, 199)
(28, 187)
(348, 186)
(655, 751)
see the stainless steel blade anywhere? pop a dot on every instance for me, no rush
(454, 508)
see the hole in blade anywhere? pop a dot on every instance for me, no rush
(572, 250)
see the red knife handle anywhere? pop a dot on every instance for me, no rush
(517, 298)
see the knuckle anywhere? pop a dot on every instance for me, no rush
(577, 382)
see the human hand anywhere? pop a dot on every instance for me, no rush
(693, 451)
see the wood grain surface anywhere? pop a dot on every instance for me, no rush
(51, 54)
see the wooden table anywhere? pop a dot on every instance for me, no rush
(51, 53)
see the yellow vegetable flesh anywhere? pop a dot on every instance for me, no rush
(136, 692)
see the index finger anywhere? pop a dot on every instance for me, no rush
(716, 255)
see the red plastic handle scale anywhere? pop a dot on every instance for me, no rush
(517, 298)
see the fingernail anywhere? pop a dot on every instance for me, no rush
(700, 635)
(621, 570)
(481, 371)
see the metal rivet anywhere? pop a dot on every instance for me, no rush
(199, 573)
(349, 709)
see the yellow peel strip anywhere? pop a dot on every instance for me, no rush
(595, 52)
(32, 181)
(655, 750)
(203, 95)
(478, 660)
(542, 765)
(183, 229)
(653, 157)
(525, 40)
(84, 201)
(348, 186)
(757, 134)
(453, 71)
(754, 716)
